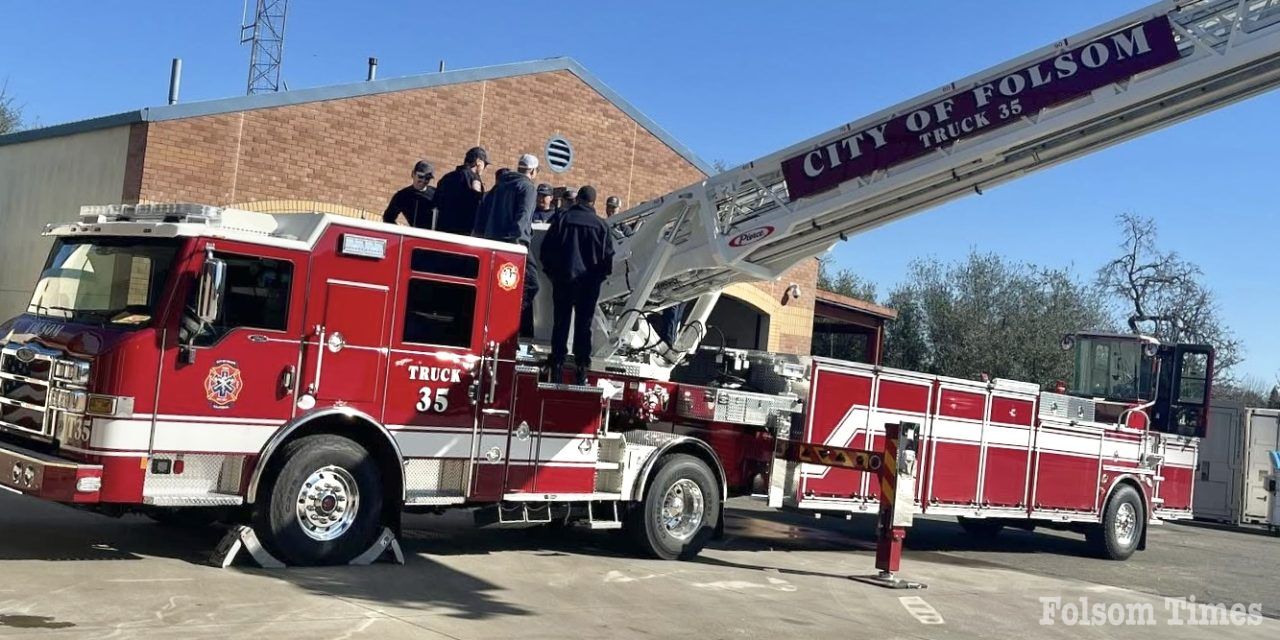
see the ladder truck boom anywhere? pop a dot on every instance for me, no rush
(1157, 66)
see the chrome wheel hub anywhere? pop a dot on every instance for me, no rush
(1126, 526)
(328, 503)
(682, 509)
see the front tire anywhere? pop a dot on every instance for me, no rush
(680, 511)
(1123, 522)
(324, 502)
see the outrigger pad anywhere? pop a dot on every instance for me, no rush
(889, 580)
(241, 537)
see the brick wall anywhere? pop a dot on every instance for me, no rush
(790, 320)
(357, 151)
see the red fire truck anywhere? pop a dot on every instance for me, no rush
(315, 376)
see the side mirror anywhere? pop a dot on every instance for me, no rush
(212, 285)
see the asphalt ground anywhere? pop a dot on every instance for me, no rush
(70, 574)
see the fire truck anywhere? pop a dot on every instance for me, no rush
(316, 376)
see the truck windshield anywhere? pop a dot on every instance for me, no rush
(1113, 368)
(103, 281)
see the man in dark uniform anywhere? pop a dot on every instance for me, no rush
(544, 210)
(567, 197)
(611, 206)
(415, 202)
(577, 254)
(506, 215)
(477, 225)
(459, 192)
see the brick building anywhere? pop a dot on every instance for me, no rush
(346, 148)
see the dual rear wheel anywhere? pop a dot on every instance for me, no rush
(680, 512)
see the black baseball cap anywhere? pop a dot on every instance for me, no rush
(424, 167)
(476, 153)
(545, 189)
(587, 194)
(569, 192)
(613, 201)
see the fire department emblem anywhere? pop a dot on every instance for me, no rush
(508, 277)
(223, 384)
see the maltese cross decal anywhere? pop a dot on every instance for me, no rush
(508, 277)
(223, 384)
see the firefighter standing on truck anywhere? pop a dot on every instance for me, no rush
(459, 192)
(545, 209)
(415, 202)
(506, 214)
(577, 254)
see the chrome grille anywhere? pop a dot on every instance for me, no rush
(24, 388)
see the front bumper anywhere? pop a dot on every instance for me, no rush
(48, 477)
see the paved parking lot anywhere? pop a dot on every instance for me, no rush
(68, 574)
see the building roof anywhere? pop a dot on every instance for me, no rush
(853, 304)
(354, 89)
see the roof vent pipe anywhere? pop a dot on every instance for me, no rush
(373, 70)
(175, 79)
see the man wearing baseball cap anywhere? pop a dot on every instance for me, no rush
(543, 211)
(415, 202)
(459, 192)
(611, 205)
(507, 216)
(578, 255)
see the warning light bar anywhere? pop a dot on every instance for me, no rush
(158, 212)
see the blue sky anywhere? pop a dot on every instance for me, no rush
(733, 81)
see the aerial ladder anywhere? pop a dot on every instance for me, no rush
(1152, 68)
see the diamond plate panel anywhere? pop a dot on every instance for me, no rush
(1066, 407)
(202, 475)
(427, 478)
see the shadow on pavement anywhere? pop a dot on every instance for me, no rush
(421, 585)
(789, 530)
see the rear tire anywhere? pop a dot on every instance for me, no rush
(680, 511)
(981, 528)
(1123, 522)
(322, 503)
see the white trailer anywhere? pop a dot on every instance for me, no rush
(1234, 474)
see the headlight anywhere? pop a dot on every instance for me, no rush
(73, 371)
(101, 405)
(67, 400)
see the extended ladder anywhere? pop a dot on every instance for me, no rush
(1152, 68)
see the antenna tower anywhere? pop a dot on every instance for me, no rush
(266, 37)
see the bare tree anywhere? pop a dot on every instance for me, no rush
(1250, 391)
(1163, 289)
(10, 111)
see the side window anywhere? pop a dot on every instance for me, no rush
(440, 313)
(1194, 378)
(446, 264)
(257, 297)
